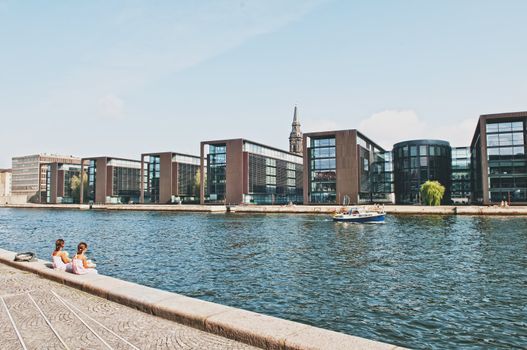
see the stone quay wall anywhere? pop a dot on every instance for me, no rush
(287, 209)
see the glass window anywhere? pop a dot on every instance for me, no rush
(413, 151)
(492, 127)
(507, 126)
(493, 140)
(519, 152)
(422, 151)
(517, 138)
(517, 126)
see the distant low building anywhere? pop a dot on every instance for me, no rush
(170, 177)
(112, 180)
(5, 182)
(29, 176)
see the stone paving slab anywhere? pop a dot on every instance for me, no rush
(84, 321)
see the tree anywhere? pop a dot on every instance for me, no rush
(75, 185)
(432, 192)
(197, 182)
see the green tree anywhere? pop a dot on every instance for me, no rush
(197, 181)
(75, 185)
(432, 192)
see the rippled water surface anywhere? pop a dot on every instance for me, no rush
(426, 282)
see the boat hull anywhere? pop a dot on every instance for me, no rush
(360, 219)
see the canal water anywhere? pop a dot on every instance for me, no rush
(425, 282)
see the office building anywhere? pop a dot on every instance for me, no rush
(498, 159)
(170, 177)
(59, 183)
(415, 162)
(112, 180)
(345, 167)
(243, 171)
(460, 175)
(29, 176)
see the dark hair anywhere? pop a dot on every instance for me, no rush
(81, 246)
(59, 243)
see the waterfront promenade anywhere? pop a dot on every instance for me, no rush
(287, 209)
(43, 308)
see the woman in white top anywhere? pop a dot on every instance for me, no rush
(80, 264)
(60, 258)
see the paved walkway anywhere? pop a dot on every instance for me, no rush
(36, 313)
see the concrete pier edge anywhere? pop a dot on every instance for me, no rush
(285, 209)
(241, 325)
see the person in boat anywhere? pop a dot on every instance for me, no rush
(59, 257)
(80, 263)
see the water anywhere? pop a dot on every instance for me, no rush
(425, 282)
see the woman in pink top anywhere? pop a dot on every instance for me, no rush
(80, 264)
(59, 257)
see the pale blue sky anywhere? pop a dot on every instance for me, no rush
(121, 78)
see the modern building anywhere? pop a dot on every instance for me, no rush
(498, 159)
(5, 182)
(59, 183)
(243, 171)
(461, 175)
(170, 177)
(415, 162)
(29, 177)
(112, 180)
(345, 167)
(295, 137)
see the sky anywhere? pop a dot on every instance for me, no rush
(121, 78)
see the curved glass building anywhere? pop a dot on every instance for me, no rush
(415, 162)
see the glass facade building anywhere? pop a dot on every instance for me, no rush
(417, 161)
(216, 172)
(242, 171)
(344, 167)
(498, 161)
(507, 171)
(461, 175)
(322, 170)
(112, 180)
(58, 183)
(170, 177)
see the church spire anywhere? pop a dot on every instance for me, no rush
(295, 138)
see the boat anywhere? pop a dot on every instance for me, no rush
(359, 215)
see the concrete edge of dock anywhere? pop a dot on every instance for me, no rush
(285, 209)
(245, 326)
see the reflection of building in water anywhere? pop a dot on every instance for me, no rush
(345, 163)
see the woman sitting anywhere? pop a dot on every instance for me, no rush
(59, 257)
(80, 264)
